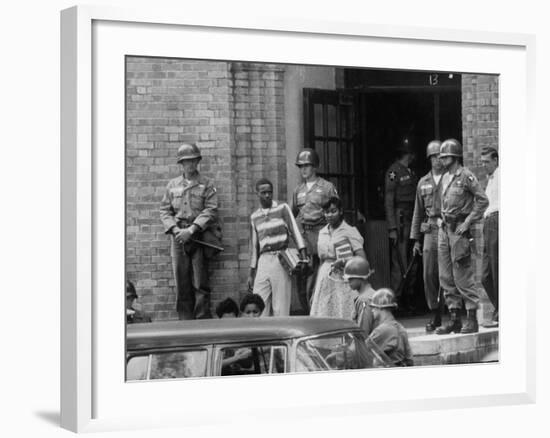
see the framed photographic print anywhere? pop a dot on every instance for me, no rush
(214, 169)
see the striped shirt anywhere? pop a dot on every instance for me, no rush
(271, 229)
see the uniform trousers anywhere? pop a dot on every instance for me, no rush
(430, 269)
(273, 284)
(306, 285)
(191, 276)
(489, 277)
(456, 270)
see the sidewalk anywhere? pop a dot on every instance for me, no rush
(432, 349)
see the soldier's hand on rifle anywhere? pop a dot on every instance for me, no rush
(183, 234)
(393, 237)
(417, 248)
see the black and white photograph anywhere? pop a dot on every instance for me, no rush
(286, 218)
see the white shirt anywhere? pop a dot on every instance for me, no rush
(492, 192)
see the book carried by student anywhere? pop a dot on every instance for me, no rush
(343, 250)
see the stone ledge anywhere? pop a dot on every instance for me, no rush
(455, 348)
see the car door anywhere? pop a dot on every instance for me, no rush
(248, 358)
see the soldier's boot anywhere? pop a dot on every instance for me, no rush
(471, 325)
(453, 326)
(435, 321)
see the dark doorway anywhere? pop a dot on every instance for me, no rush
(356, 130)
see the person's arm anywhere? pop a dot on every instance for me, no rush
(293, 229)
(167, 213)
(254, 254)
(419, 213)
(389, 204)
(209, 213)
(480, 204)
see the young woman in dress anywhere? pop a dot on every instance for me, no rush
(338, 242)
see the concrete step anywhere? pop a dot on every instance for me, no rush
(435, 349)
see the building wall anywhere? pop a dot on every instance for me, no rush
(298, 77)
(479, 118)
(247, 120)
(479, 129)
(235, 113)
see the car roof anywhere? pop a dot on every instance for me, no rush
(229, 330)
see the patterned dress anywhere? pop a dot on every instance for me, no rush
(333, 298)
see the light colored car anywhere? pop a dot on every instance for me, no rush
(239, 346)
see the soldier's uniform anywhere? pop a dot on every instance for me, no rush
(424, 227)
(307, 206)
(400, 193)
(389, 336)
(462, 198)
(392, 338)
(187, 202)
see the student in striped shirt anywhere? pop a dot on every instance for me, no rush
(271, 227)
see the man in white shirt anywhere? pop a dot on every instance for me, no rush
(489, 279)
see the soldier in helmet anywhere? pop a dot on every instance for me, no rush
(462, 204)
(307, 205)
(357, 272)
(424, 231)
(189, 210)
(389, 335)
(400, 191)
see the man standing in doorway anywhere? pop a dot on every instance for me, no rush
(400, 193)
(271, 227)
(188, 209)
(489, 277)
(462, 204)
(424, 230)
(307, 205)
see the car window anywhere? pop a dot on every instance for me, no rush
(260, 359)
(333, 352)
(168, 365)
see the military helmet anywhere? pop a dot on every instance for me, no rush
(188, 151)
(382, 299)
(357, 267)
(433, 148)
(307, 156)
(405, 147)
(450, 148)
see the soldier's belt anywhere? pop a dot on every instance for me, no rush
(454, 220)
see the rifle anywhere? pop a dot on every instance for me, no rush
(405, 276)
(207, 244)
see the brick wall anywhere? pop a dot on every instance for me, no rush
(479, 118)
(479, 129)
(234, 112)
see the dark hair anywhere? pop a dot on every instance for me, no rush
(251, 298)
(227, 306)
(263, 181)
(334, 200)
(130, 289)
(491, 151)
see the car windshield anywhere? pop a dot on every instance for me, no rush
(344, 351)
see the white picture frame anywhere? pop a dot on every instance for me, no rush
(93, 398)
